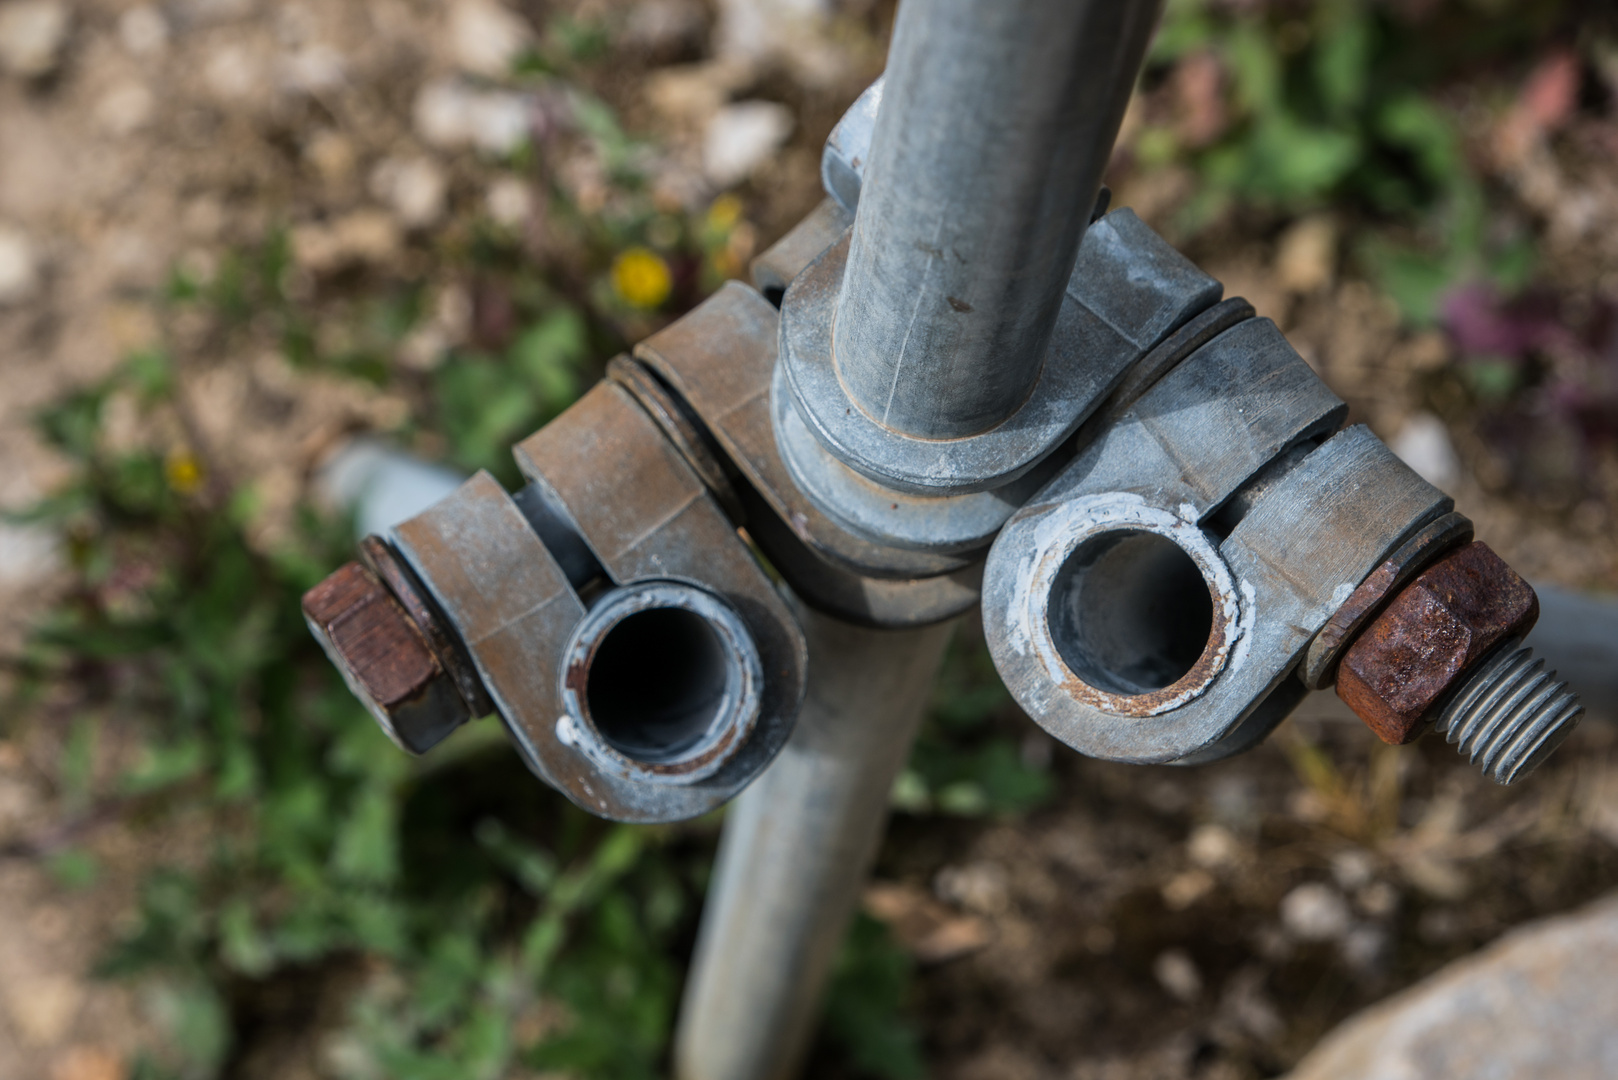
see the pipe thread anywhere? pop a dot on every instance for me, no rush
(1511, 714)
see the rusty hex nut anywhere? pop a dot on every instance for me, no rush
(1430, 638)
(384, 657)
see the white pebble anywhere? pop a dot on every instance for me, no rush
(32, 36)
(19, 269)
(741, 137)
(1177, 973)
(1315, 912)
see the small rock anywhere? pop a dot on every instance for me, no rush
(486, 38)
(1378, 899)
(33, 34)
(143, 30)
(19, 267)
(1315, 912)
(1423, 444)
(1538, 1003)
(1213, 846)
(89, 1063)
(332, 156)
(741, 137)
(415, 188)
(364, 236)
(692, 93)
(125, 109)
(43, 1008)
(450, 115)
(29, 554)
(1306, 258)
(1186, 888)
(312, 69)
(1177, 973)
(1365, 948)
(664, 25)
(1352, 868)
(510, 203)
(979, 886)
(235, 73)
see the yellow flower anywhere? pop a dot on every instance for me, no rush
(642, 278)
(183, 471)
(724, 212)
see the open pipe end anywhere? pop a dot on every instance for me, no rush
(662, 682)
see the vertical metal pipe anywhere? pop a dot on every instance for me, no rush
(796, 847)
(997, 120)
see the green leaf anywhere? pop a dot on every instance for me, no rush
(1342, 56)
(241, 945)
(865, 1004)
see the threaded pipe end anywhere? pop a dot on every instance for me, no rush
(1510, 715)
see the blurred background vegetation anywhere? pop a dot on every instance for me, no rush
(235, 235)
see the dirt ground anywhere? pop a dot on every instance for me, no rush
(1148, 922)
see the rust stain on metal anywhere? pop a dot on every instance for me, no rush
(1152, 702)
(378, 643)
(1430, 636)
(1319, 668)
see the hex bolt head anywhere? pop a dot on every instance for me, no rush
(1427, 641)
(385, 658)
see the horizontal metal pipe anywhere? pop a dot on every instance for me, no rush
(996, 123)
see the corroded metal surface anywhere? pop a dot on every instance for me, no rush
(447, 649)
(1127, 292)
(1425, 642)
(1222, 454)
(647, 516)
(719, 359)
(384, 657)
(1319, 667)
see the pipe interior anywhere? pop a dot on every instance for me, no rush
(657, 683)
(1130, 612)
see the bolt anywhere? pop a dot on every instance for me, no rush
(1510, 715)
(385, 658)
(1446, 653)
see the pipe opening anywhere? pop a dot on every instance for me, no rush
(1130, 612)
(657, 683)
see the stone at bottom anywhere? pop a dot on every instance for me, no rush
(1542, 1002)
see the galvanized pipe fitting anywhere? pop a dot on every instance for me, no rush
(995, 124)
(925, 354)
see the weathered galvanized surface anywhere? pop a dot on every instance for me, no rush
(773, 270)
(719, 360)
(1127, 292)
(512, 606)
(1319, 667)
(961, 524)
(681, 429)
(796, 848)
(997, 119)
(1510, 715)
(847, 153)
(1535, 1005)
(1205, 437)
(1425, 642)
(646, 515)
